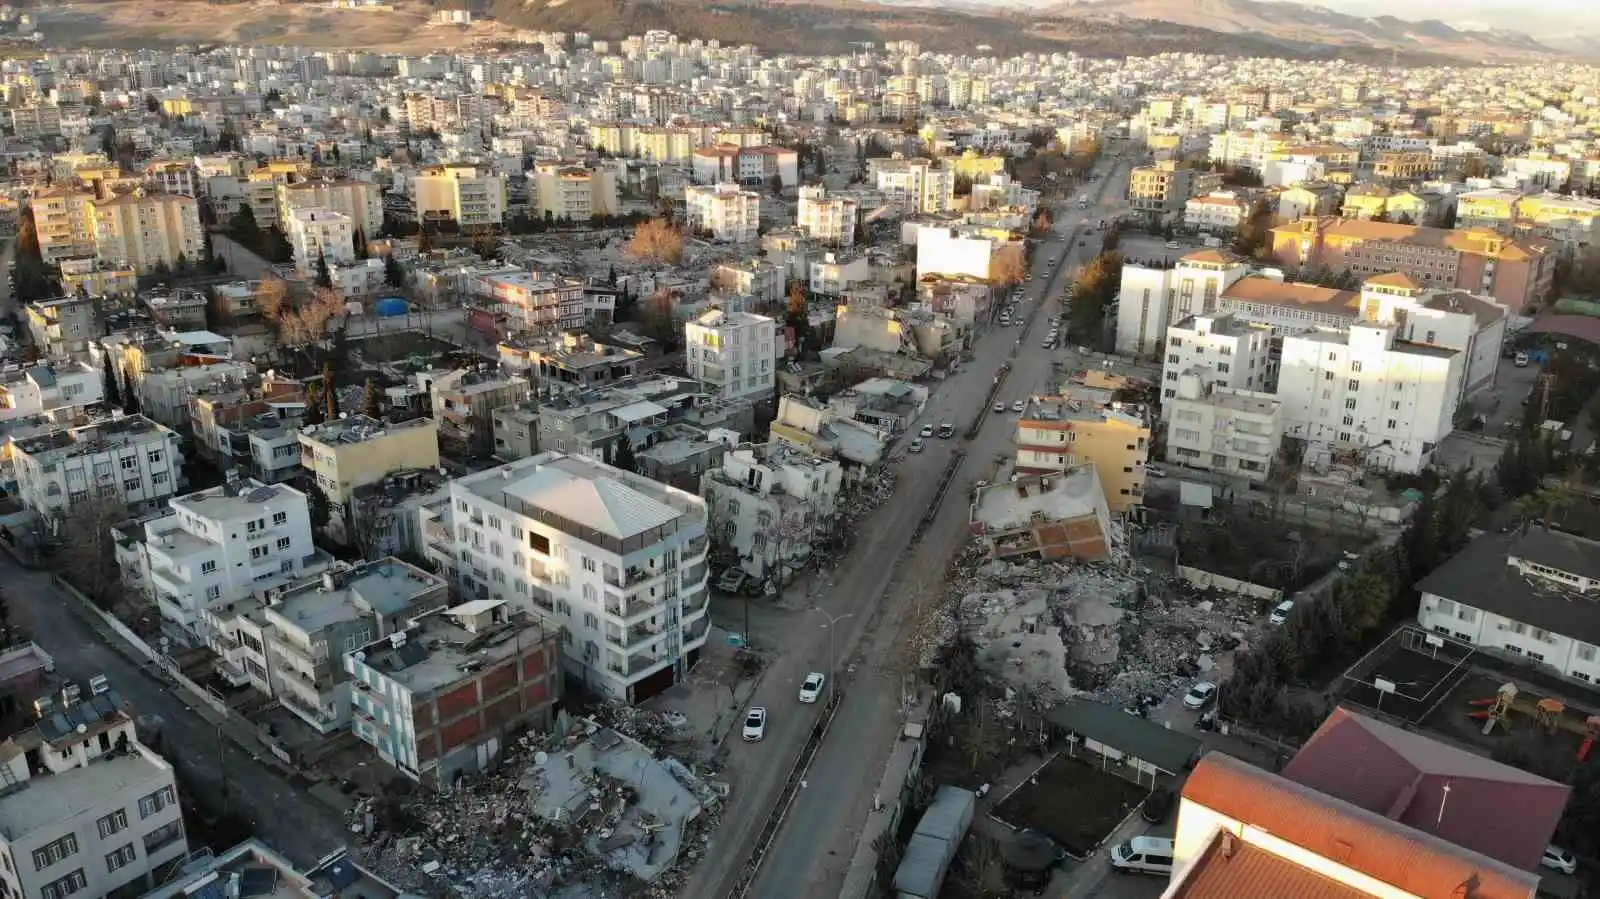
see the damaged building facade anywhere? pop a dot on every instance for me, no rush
(767, 503)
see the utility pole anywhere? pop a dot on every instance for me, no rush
(832, 628)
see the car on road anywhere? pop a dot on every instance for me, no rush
(927, 431)
(755, 724)
(946, 430)
(1280, 612)
(1200, 695)
(1143, 855)
(999, 407)
(916, 445)
(812, 687)
(1047, 345)
(1559, 859)
(1174, 245)
(1019, 405)
(1520, 360)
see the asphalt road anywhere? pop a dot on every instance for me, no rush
(280, 812)
(814, 846)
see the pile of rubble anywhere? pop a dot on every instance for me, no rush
(591, 814)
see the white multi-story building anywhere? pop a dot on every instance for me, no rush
(749, 166)
(914, 185)
(836, 273)
(361, 201)
(618, 559)
(132, 459)
(956, 252)
(736, 351)
(728, 212)
(829, 219)
(1226, 351)
(319, 234)
(541, 302)
(768, 503)
(1366, 393)
(1219, 212)
(55, 387)
(358, 279)
(999, 191)
(87, 809)
(1153, 299)
(218, 546)
(758, 279)
(1218, 428)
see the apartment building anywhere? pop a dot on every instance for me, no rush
(1153, 299)
(734, 352)
(593, 422)
(229, 870)
(1060, 515)
(1228, 351)
(464, 403)
(61, 388)
(1527, 595)
(1249, 150)
(1223, 429)
(761, 281)
(914, 185)
(259, 187)
(617, 559)
(215, 546)
(1517, 272)
(444, 694)
(1572, 222)
(768, 503)
(1158, 193)
(87, 809)
(319, 234)
(1000, 192)
(148, 231)
(465, 194)
(1494, 208)
(534, 302)
(574, 193)
(569, 361)
(358, 450)
(128, 458)
(1056, 433)
(359, 201)
(1404, 165)
(831, 220)
(1221, 212)
(88, 275)
(958, 252)
(1308, 199)
(836, 273)
(63, 220)
(173, 176)
(727, 212)
(62, 327)
(747, 166)
(1368, 395)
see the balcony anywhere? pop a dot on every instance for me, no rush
(636, 666)
(634, 637)
(629, 607)
(632, 577)
(696, 547)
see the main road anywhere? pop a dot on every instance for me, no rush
(813, 848)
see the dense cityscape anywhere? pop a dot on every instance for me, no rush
(575, 467)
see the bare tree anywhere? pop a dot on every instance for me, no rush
(1007, 267)
(271, 297)
(657, 240)
(87, 558)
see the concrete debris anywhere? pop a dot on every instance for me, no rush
(592, 812)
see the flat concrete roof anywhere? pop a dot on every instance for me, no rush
(55, 798)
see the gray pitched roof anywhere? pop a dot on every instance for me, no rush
(1479, 576)
(1143, 739)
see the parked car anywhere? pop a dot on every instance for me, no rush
(755, 724)
(1157, 806)
(1019, 405)
(999, 407)
(812, 687)
(1559, 859)
(927, 431)
(1143, 855)
(1200, 695)
(946, 430)
(1280, 612)
(1174, 245)
(916, 445)
(1520, 360)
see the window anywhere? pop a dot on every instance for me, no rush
(1327, 376)
(155, 802)
(1355, 384)
(588, 564)
(539, 543)
(280, 518)
(66, 886)
(113, 822)
(163, 836)
(1174, 358)
(1349, 420)
(257, 552)
(50, 853)
(159, 477)
(154, 456)
(1393, 424)
(130, 463)
(127, 855)
(208, 567)
(1585, 652)
(213, 592)
(1350, 403)
(1394, 406)
(1355, 367)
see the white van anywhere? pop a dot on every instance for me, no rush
(1144, 855)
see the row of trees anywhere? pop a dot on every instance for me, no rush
(1092, 293)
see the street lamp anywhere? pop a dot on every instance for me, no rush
(830, 627)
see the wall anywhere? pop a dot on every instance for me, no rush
(1199, 577)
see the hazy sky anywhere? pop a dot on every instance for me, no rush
(1557, 14)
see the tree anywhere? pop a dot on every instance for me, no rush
(1008, 268)
(113, 394)
(244, 229)
(314, 404)
(393, 274)
(330, 394)
(151, 104)
(359, 243)
(775, 183)
(424, 241)
(372, 400)
(130, 393)
(86, 557)
(660, 317)
(658, 241)
(623, 456)
(324, 277)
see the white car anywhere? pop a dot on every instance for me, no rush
(1174, 245)
(927, 431)
(1559, 859)
(1280, 612)
(1198, 697)
(755, 724)
(999, 407)
(812, 688)
(1019, 405)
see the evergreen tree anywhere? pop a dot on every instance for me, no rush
(313, 404)
(330, 394)
(360, 242)
(622, 457)
(393, 274)
(324, 274)
(244, 228)
(112, 391)
(424, 241)
(372, 400)
(130, 401)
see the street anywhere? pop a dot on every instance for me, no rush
(279, 811)
(813, 847)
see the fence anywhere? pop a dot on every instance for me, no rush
(1201, 578)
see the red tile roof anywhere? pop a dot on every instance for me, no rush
(1230, 868)
(1472, 801)
(1403, 857)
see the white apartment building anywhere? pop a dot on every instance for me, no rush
(319, 234)
(831, 220)
(1222, 429)
(746, 165)
(129, 458)
(1528, 594)
(758, 279)
(768, 502)
(88, 809)
(460, 193)
(574, 193)
(999, 191)
(49, 387)
(914, 185)
(836, 273)
(1226, 351)
(954, 252)
(736, 351)
(1215, 213)
(1153, 299)
(728, 212)
(219, 546)
(358, 279)
(1368, 395)
(618, 559)
(360, 201)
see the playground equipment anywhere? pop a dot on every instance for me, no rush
(1498, 709)
(1548, 713)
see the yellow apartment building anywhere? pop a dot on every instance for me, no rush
(148, 231)
(356, 451)
(1058, 432)
(64, 223)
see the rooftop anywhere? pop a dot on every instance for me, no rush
(448, 645)
(1055, 497)
(585, 491)
(1230, 868)
(50, 800)
(383, 588)
(97, 437)
(249, 499)
(359, 429)
(1261, 289)
(1482, 576)
(264, 874)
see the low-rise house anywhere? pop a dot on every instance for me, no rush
(444, 694)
